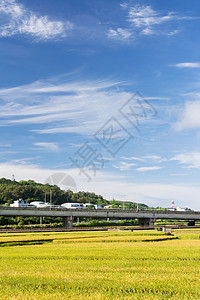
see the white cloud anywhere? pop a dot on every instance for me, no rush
(43, 28)
(124, 5)
(154, 158)
(119, 33)
(145, 16)
(144, 20)
(22, 161)
(178, 174)
(173, 32)
(147, 31)
(11, 8)
(5, 145)
(133, 158)
(21, 21)
(189, 117)
(147, 169)
(190, 65)
(188, 160)
(48, 146)
(123, 166)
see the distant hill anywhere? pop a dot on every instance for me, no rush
(31, 191)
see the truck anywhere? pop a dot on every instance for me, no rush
(40, 204)
(72, 205)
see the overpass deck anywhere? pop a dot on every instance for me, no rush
(99, 213)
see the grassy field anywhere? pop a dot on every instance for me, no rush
(100, 265)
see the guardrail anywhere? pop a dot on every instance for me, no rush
(100, 210)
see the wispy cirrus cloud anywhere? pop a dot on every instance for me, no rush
(145, 158)
(134, 161)
(124, 166)
(60, 105)
(48, 146)
(5, 145)
(144, 20)
(17, 20)
(154, 158)
(133, 158)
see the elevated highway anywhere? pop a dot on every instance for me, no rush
(145, 217)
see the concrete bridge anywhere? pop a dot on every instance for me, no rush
(145, 217)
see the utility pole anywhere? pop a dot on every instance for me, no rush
(50, 196)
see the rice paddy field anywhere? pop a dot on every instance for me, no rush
(100, 265)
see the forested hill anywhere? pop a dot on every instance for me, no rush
(32, 191)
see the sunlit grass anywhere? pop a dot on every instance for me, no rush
(101, 236)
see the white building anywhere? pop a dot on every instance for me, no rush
(20, 203)
(177, 208)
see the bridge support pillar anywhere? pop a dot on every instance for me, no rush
(191, 223)
(146, 222)
(67, 222)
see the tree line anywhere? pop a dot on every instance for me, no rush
(32, 191)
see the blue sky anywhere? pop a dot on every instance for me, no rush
(107, 92)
